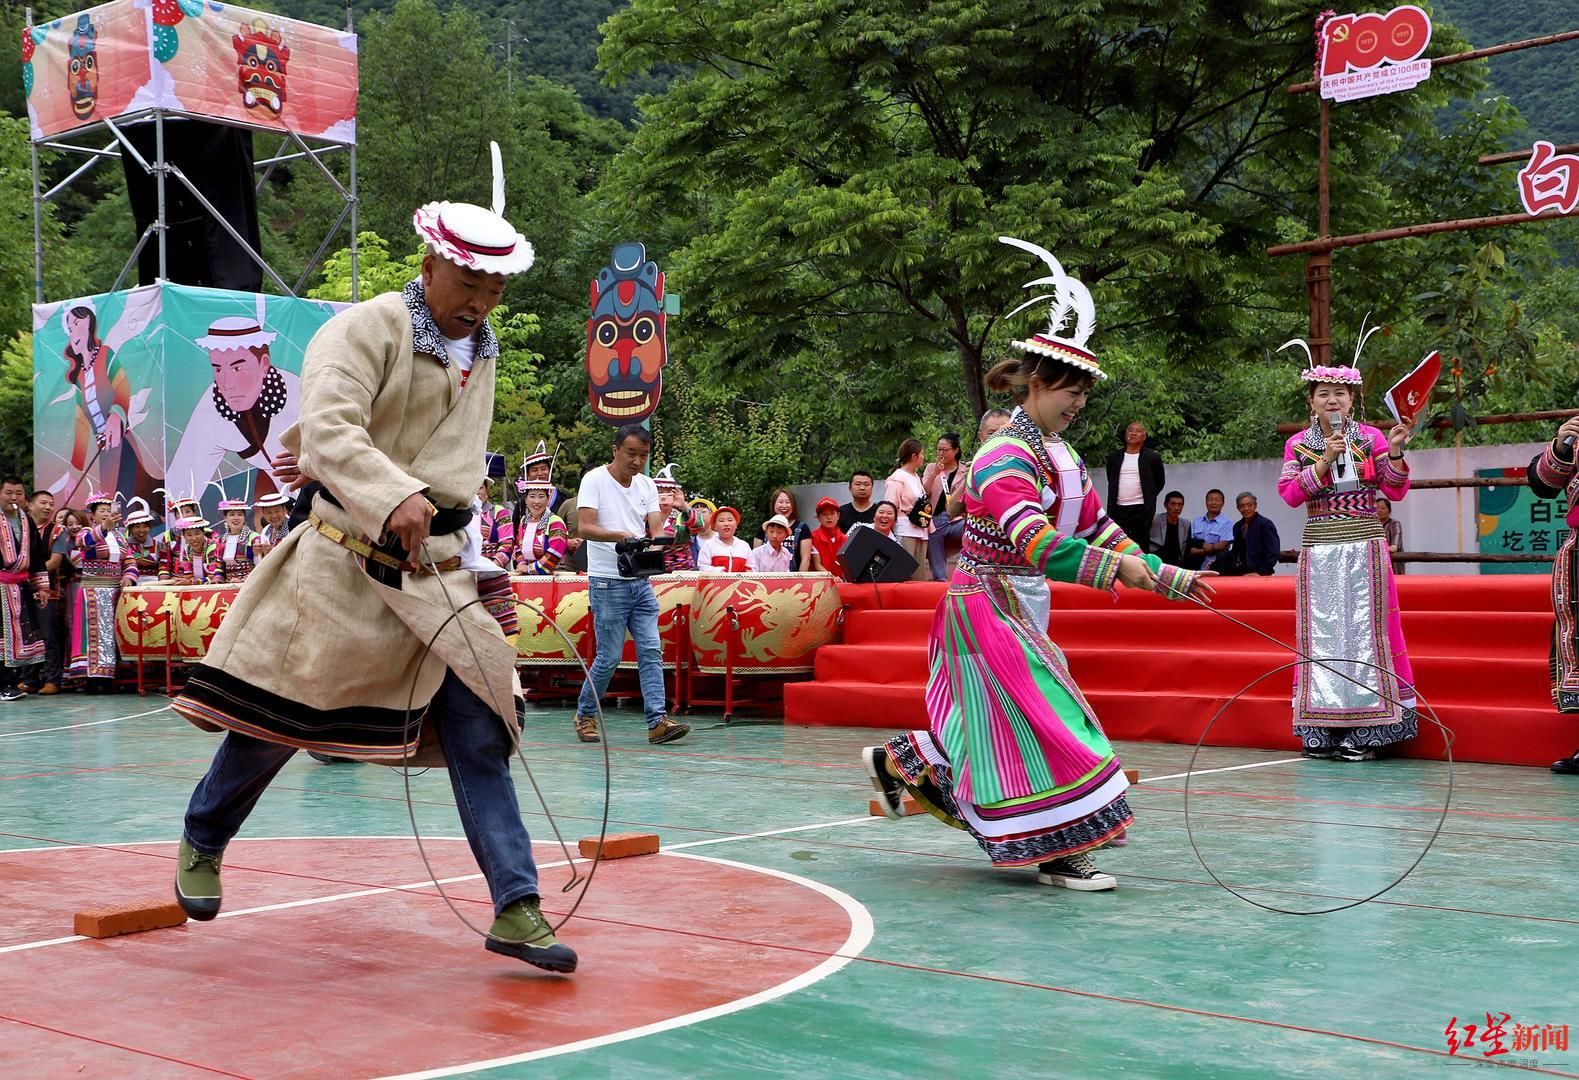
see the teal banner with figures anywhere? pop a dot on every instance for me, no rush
(1512, 521)
(166, 391)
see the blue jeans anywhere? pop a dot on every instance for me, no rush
(944, 529)
(620, 605)
(478, 750)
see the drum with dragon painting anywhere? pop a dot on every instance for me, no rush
(782, 619)
(147, 615)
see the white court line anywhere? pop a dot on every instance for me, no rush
(860, 936)
(92, 723)
(312, 901)
(855, 943)
(1229, 768)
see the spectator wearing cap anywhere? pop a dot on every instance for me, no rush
(724, 552)
(276, 510)
(775, 555)
(827, 539)
(782, 503)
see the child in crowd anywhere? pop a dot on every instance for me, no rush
(774, 556)
(724, 552)
(827, 539)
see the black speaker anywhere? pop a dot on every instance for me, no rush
(868, 555)
(198, 251)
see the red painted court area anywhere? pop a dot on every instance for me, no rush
(320, 967)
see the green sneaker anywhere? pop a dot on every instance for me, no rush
(522, 932)
(197, 882)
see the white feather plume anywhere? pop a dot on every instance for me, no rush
(1309, 360)
(498, 178)
(1077, 299)
(1365, 335)
(138, 500)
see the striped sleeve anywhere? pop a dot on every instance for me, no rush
(1008, 484)
(1549, 474)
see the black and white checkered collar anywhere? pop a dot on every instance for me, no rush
(425, 334)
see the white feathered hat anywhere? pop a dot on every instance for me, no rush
(473, 237)
(1070, 300)
(664, 477)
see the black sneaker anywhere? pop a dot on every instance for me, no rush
(1356, 753)
(11, 694)
(890, 792)
(197, 883)
(327, 760)
(1076, 872)
(1568, 766)
(521, 931)
(1320, 753)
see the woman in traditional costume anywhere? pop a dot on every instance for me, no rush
(541, 537)
(192, 558)
(106, 562)
(1347, 599)
(677, 520)
(147, 549)
(1014, 754)
(238, 547)
(1554, 474)
(498, 530)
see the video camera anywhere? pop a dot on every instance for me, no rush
(641, 557)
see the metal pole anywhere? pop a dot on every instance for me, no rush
(38, 228)
(1318, 267)
(202, 199)
(356, 279)
(159, 173)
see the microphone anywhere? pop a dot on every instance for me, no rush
(1335, 424)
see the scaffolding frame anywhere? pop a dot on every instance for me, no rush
(120, 147)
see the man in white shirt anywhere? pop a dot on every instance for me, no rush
(1135, 476)
(618, 502)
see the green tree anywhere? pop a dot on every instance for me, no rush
(16, 405)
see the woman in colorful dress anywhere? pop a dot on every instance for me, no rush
(1346, 598)
(237, 546)
(541, 538)
(192, 559)
(1554, 474)
(105, 561)
(276, 508)
(498, 530)
(676, 521)
(1014, 754)
(147, 549)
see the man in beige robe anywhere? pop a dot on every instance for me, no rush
(346, 639)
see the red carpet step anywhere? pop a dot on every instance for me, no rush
(1159, 671)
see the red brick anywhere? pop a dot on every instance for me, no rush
(908, 807)
(619, 845)
(1132, 775)
(103, 922)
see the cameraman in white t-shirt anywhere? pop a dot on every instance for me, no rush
(618, 502)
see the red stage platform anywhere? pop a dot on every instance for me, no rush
(1157, 671)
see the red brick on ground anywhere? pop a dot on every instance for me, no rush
(908, 807)
(103, 922)
(619, 846)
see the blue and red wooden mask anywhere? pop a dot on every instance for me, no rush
(626, 344)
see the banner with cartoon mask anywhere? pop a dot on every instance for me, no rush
(167, 391)
(190, 56)
(626, 338)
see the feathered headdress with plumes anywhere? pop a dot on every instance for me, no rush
(1338, 374)
(1073, 314)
